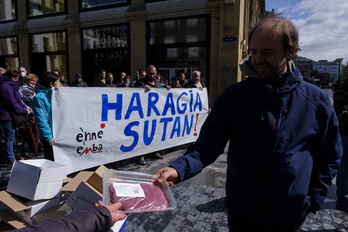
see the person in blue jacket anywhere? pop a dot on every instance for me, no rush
(284, 142)
(42, 111)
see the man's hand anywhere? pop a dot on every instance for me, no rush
(113, 208)
(167, 174)
(53, 141)
(148, 87)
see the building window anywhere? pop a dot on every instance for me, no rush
(7, 10)
(85, 4)
(190, 30)
(49, 42)
(49, 52)
(105, 48)
(39, 7)
(105, 37)
(179, 45)
(9, 52)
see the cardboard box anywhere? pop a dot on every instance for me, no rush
(84, 197)
(96, 180)
(86, 188)
(51, 213)
(25, 210)
(15, 206)
(37, 179)
(93, 178)
(40, 206)
(72, 185)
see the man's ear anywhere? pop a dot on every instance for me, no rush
(292, 51)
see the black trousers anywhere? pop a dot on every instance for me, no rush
(238, 224)
(48, 150)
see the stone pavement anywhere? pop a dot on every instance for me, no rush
(200, 201)
(201, 204)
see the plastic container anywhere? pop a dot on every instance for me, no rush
(138, 192)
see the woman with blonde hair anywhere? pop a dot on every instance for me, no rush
(27, 90)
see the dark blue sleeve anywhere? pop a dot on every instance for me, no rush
(187, 165)
(211, 142)
(327, 155)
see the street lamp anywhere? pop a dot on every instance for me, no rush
(339, 60)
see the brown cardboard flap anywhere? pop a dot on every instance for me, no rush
(74, 183)
(11, 220)
(12, 202)
(96, 180)
(65, 207)
(67, 180)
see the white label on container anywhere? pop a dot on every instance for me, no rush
(128, 190)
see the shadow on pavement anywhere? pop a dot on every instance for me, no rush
(214, 206)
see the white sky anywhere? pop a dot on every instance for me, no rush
(322, 26)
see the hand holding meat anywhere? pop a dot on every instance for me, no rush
(167, 174)
(113, 208)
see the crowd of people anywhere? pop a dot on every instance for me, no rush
(23, 93)
(284, 137)
(24, 100)
(105, 79)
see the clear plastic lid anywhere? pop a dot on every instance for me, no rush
(137, 192)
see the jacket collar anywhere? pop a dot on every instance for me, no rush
(282, 82)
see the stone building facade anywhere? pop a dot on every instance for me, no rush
(84, 36)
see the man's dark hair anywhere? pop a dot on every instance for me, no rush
(48, 79)
(10, 73)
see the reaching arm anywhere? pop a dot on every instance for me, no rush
(99, 218)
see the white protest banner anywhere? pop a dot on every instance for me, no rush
(94, 126)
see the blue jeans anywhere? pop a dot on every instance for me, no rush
(10, 137)
(342, 175)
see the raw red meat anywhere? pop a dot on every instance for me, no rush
(154, 199)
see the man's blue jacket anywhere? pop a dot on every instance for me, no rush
(284, 147)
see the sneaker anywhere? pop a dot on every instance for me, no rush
(158, 155)
(342, 205)
(142, 161)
